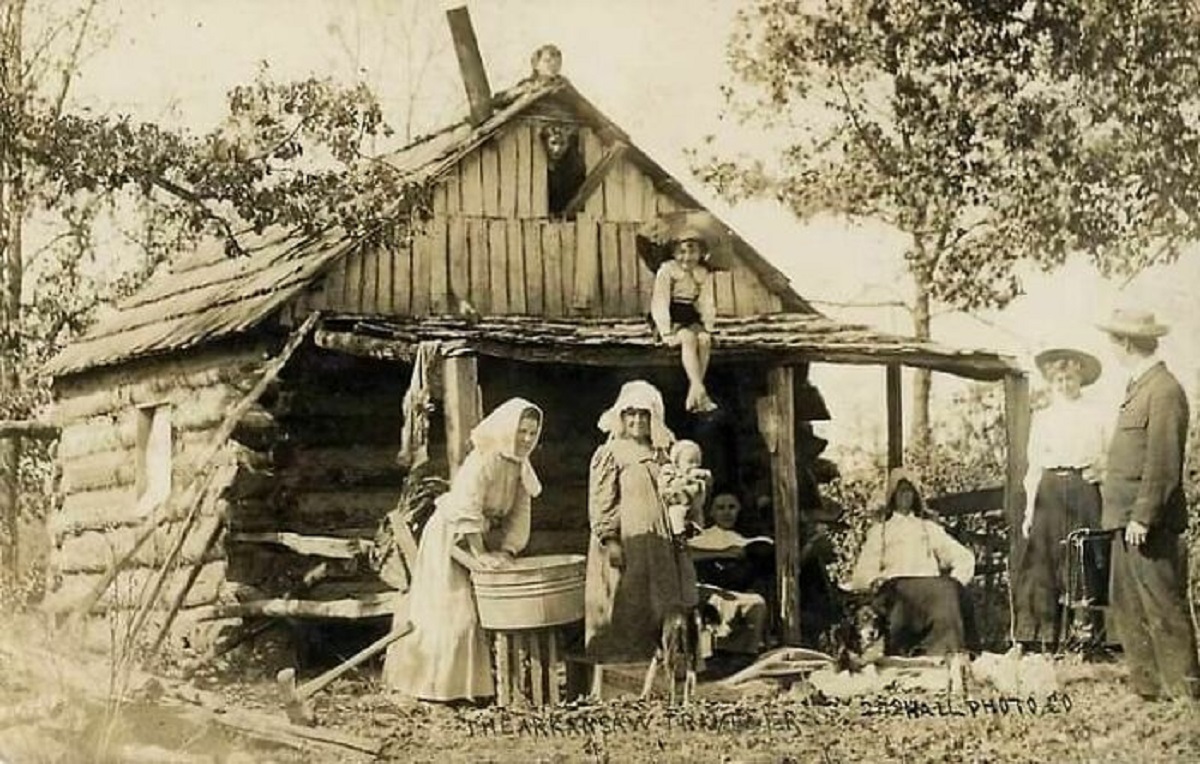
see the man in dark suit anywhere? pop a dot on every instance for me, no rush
(1143, 499)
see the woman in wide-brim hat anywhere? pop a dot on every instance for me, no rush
(1066, 448)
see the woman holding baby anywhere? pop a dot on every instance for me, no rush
(637, 572)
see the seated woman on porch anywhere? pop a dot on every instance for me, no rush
(735, 574)
(903, 562)
(483, 521)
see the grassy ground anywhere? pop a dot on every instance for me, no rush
(1093, 718)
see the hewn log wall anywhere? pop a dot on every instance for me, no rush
(96, 520)
(491, 241)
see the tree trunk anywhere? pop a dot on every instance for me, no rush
(12, 212)
(919, 435)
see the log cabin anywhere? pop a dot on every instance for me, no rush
(229, 434)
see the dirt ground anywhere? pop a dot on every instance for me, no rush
(1092, 718)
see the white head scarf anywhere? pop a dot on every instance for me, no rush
(638, 394)
(497, 433)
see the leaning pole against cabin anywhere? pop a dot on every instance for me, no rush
(193, 497)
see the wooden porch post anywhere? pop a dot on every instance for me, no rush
(463, 406)
(1016, 439)
(895, 417)
(781, 390)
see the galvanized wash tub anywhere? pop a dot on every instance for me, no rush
(532, 593)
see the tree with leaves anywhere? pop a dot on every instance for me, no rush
(290, 156)
(990, 133)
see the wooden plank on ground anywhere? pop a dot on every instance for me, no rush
(535, 272)
(552, 262)
(585, 296)
(460, 260)
(477, 243)
(610, 268)
(439, 267)
(517, 299)
(490, 164)
(498, 265)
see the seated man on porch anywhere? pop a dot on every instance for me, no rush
(903, 562)
(729, 569)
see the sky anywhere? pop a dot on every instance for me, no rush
(656, 68)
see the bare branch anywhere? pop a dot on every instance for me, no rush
(69, 65)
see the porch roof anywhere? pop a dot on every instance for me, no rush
(775, 338)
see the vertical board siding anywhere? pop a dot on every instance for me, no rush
(631, 289)
(460, 263)
(539, 200)
(633, 192)
(593, 151)
(723, 291)
(489, 156)
(471, 178)
(535, 272)
(517, 299)
(508, 171)
(497, 256)
(421, 257)
(568, 255)
(477, 243)
(352, 296)
(387, 294)
(522, 137)
(439, 267)
(371, 297)
(610, 268)
(554, 257)
(402, 278)
(586, 293)
(453, 186)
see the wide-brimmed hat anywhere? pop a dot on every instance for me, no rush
(1132, 322)
(656, 239)
(1089, 365)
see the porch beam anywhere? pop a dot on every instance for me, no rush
(1016, 439)
(781, 383)
(463, 406)
(895, 417)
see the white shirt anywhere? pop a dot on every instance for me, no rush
(1068, 433)
(910, 546)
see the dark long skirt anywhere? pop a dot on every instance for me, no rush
(922, 616)
(1065, 502)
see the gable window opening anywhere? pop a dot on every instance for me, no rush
(565, 167)
(154, 457)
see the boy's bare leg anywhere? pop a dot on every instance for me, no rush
(690, 353)
(704, 354)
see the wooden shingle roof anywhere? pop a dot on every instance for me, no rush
(777, 337)
(187, 306)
